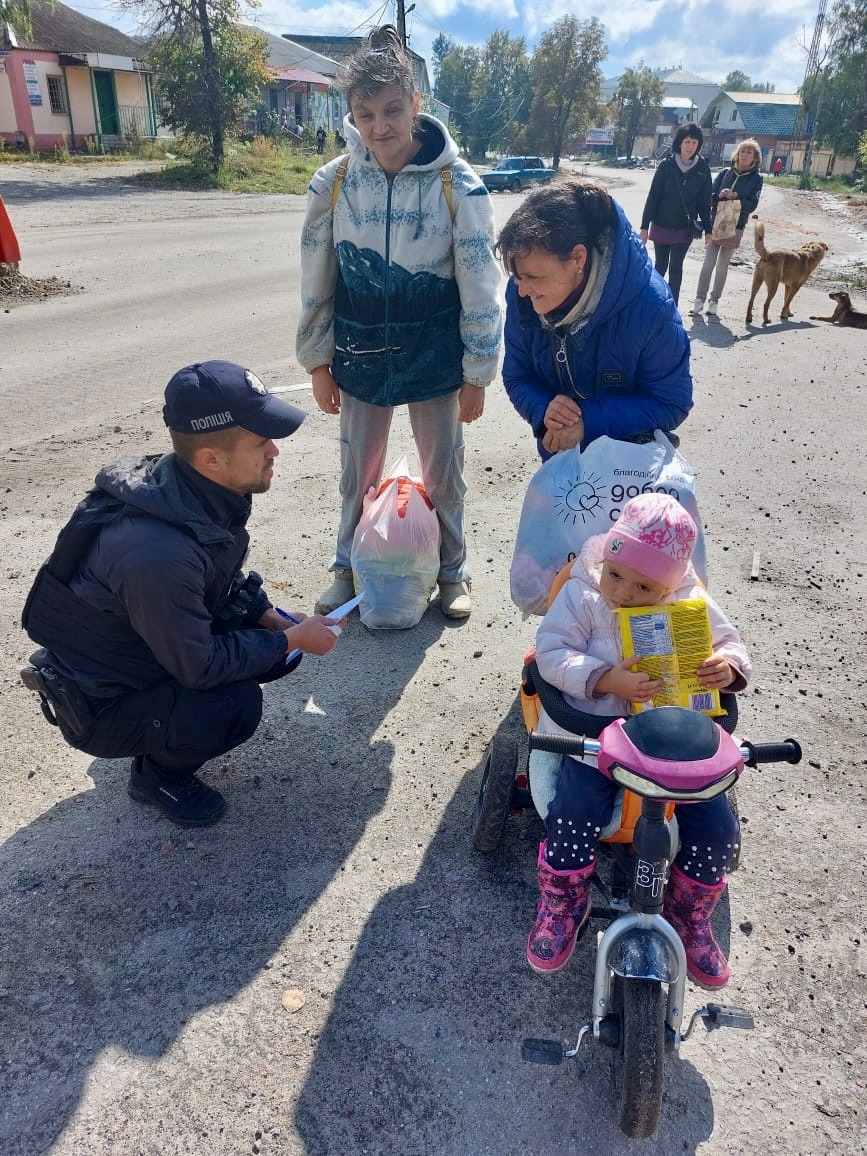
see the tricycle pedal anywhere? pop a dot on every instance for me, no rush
(542, 1052)
(721, 1015)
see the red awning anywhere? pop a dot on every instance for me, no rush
(303, 76)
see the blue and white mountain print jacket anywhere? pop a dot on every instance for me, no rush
(401, 302)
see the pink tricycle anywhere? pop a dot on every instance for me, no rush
(660, 757)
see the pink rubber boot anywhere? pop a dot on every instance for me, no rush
(563, 910)
(688, 907)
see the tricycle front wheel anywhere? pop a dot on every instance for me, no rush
(642, 1054)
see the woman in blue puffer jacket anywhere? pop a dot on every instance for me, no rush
(594, 342)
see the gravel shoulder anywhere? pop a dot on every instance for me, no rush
(142, 969)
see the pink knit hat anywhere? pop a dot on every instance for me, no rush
(655, 536)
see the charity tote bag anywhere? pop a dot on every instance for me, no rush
(577, 494)
(725, 224)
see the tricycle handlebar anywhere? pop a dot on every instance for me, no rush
(576, 745)
(785, 752)
(754, 753)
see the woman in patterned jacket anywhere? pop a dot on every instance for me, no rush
(400, 301)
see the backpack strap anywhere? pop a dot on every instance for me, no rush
(340, 177)
(448, 191)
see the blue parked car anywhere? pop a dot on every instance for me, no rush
(512, 174)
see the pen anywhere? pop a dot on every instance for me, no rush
(289, 617)
(293, 654)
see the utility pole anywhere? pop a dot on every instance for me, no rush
(813, 73)
(808, 155)
(401, 22)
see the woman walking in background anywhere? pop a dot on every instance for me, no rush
(679, 195)
(741, 182)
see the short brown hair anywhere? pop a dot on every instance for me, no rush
(557, 217)
(186, 445)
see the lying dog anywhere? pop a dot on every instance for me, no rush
(791, 266)
(844, 314)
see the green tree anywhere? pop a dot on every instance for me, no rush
(737, 81)
(456, 85)
(501, 92)
(17, 13)
(440, 49)
(207, 67)
(836, 100)
(635, 106)
(566, 76)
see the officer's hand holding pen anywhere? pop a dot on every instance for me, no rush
(313, 634)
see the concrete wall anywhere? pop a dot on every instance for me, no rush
(81, 102)
(7, 109)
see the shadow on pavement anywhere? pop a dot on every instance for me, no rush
(711, 332)
(421, 1053)
(185, 919)
(16, 192)
(756, 329)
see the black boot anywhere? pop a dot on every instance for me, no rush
(181, 797)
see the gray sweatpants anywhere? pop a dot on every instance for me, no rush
(714, 257)
(439, 438)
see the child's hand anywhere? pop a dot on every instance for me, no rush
(634, 685)
(715, 673)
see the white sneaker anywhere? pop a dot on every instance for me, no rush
(697, 308)
(455, 601)
(712, 310)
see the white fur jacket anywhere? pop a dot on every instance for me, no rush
(579, 638)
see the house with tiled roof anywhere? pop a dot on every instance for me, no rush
(72, 81)
(768, 117)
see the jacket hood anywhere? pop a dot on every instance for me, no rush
(164, 487)
(429, 127)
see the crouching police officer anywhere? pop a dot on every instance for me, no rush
(155, 643)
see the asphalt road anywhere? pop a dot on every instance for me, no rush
(142, 969)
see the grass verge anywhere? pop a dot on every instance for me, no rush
(260, 166)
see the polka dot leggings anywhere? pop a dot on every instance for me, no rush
(582, 807)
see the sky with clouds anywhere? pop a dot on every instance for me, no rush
(709, 37)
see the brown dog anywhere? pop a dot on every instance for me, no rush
(844, 314)
(791, 266)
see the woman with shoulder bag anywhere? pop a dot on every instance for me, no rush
(741, 183)
(677, 209)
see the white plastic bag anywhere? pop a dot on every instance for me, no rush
(575, 495)
(395, 554)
